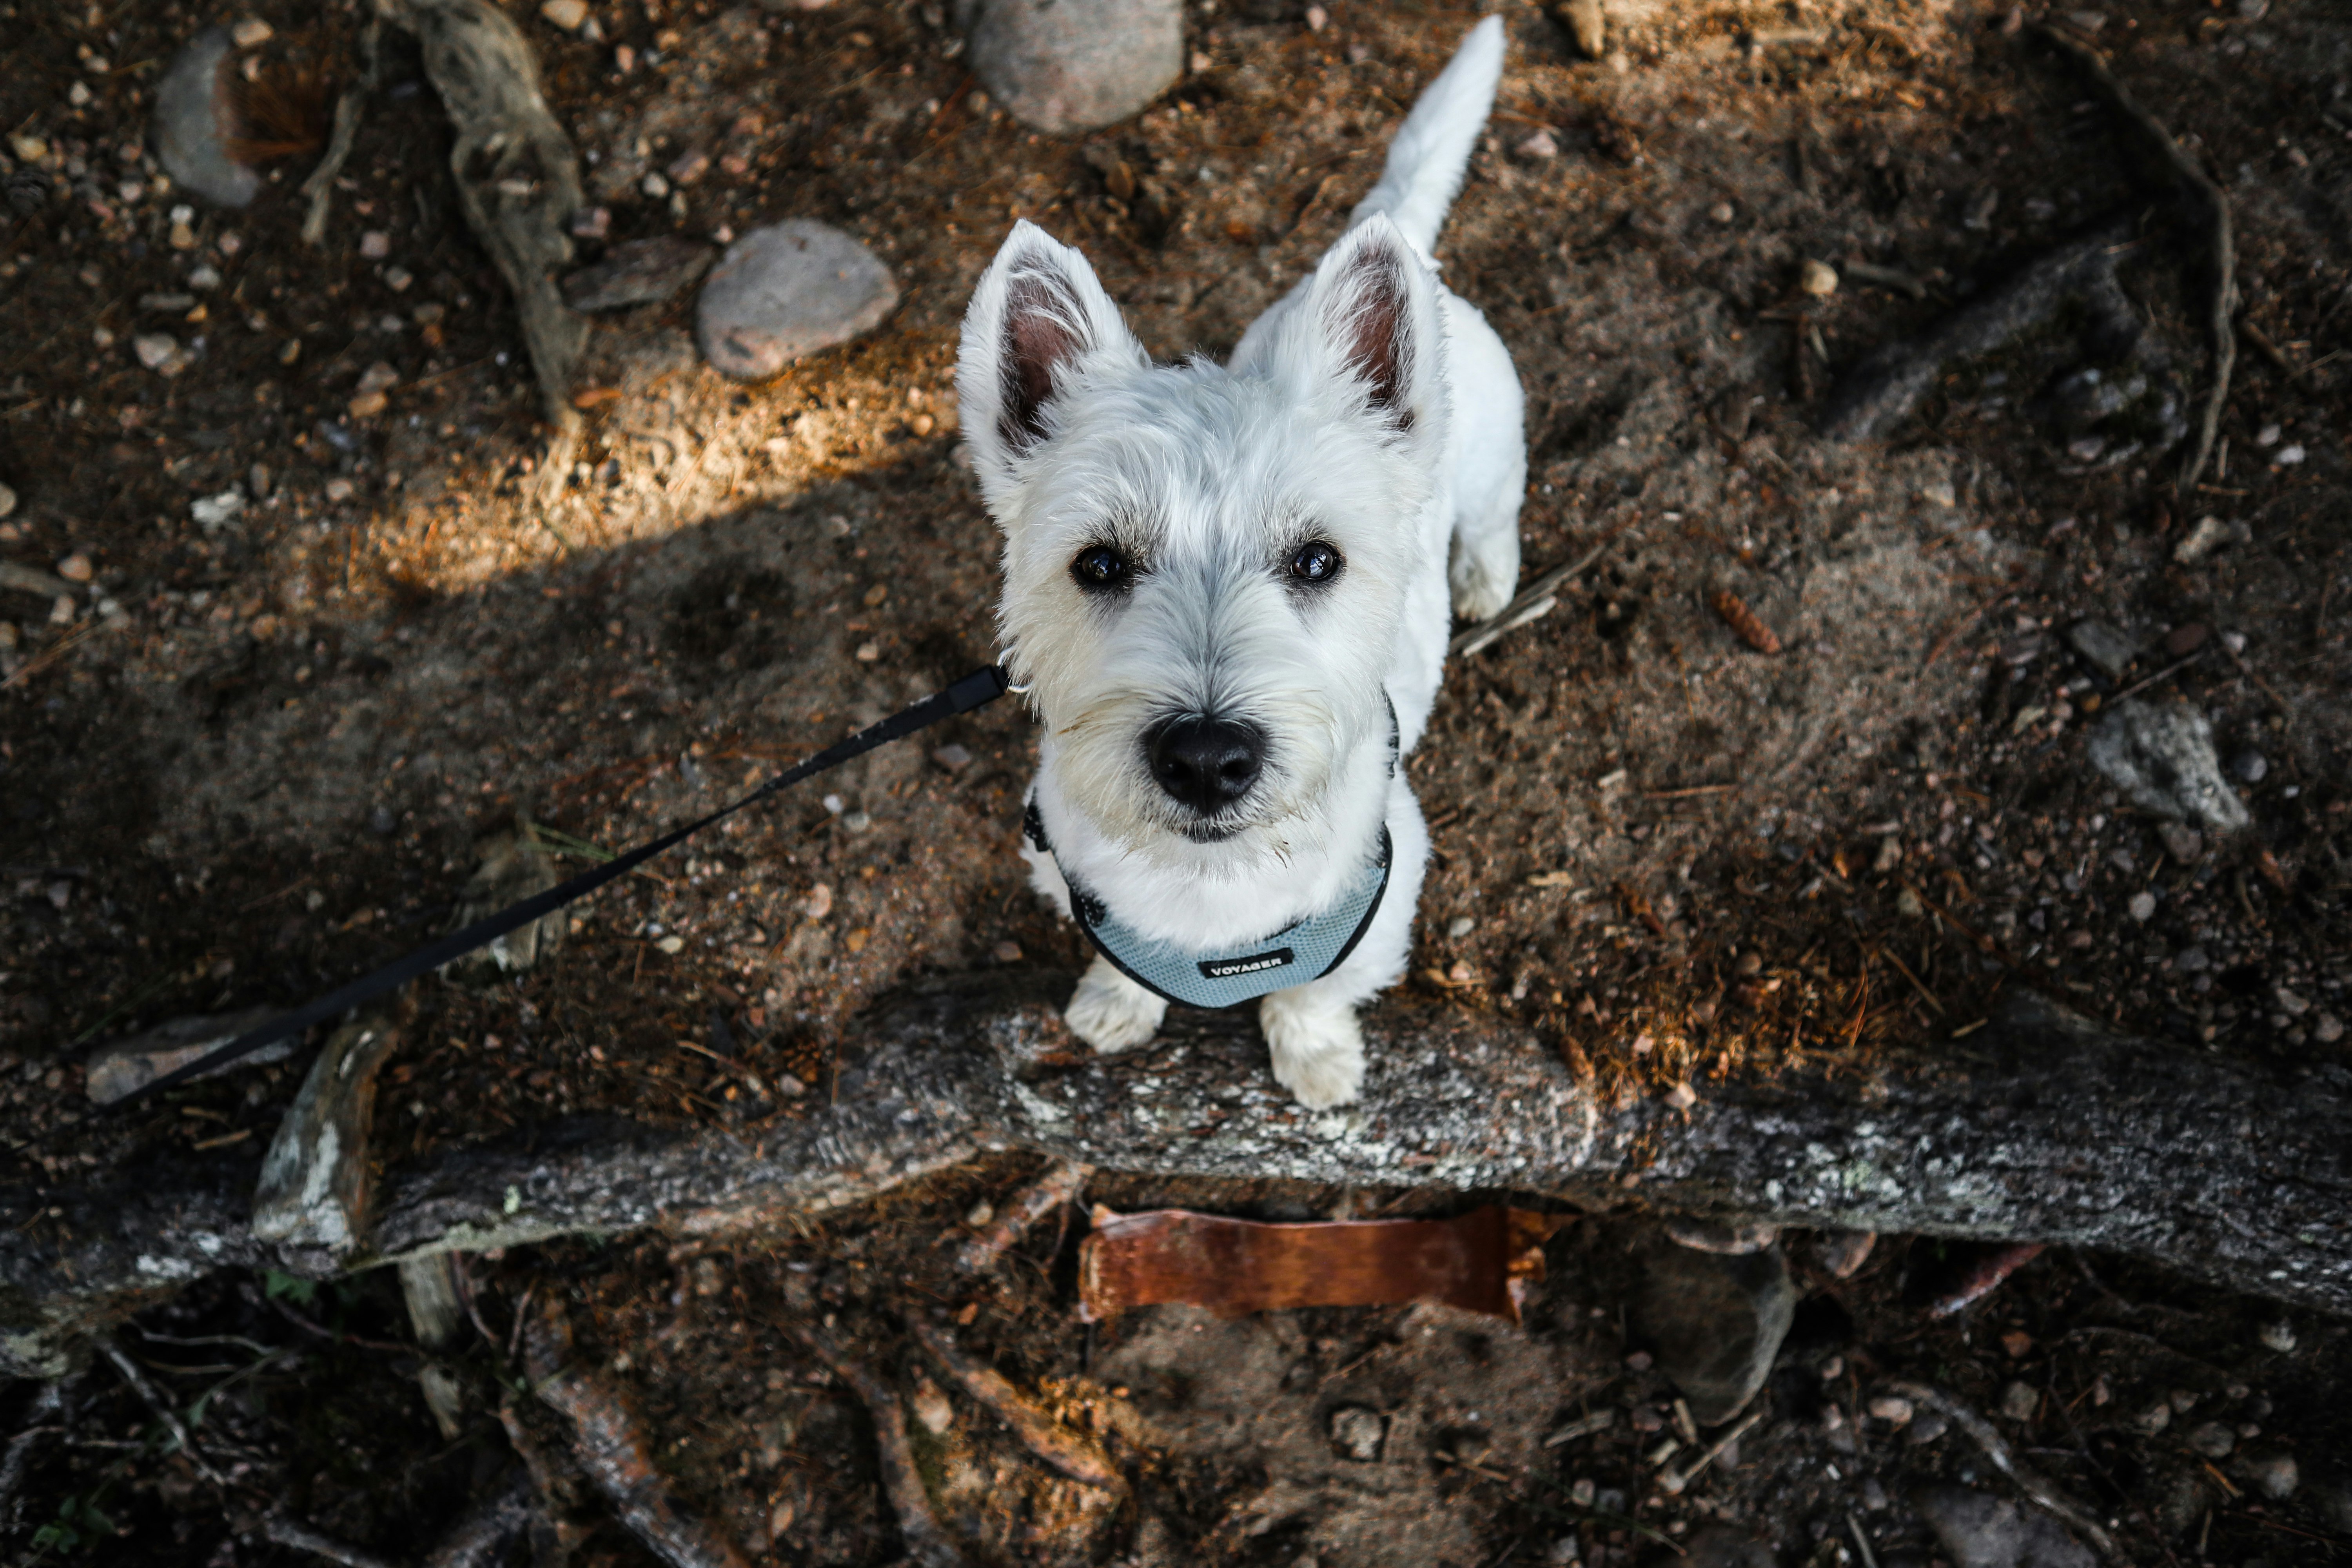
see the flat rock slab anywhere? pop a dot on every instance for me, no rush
(640, 272)
(195, 116)
(1078, 65)
(785, 291)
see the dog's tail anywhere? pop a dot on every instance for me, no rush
(1429, 153)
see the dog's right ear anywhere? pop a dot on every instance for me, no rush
(1037, 318)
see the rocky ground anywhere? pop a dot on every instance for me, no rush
(304, 615)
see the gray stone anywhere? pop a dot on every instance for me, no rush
(1979, 1530)
(2273, 1474)
(1717, 1322)
(1076, 65)
(127, 1065)
(1356, 1433)
(2162, 758)
(2211, 1439)
(640, 272)
(2249, 765)
(785, 291)
(195, 116)
(2102, 646)
(2183, 843)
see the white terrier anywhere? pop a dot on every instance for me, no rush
(1225, 594)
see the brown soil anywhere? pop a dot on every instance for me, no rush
(270, 768)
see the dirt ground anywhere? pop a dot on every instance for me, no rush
(261, 756)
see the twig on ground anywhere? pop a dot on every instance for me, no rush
(155, 1402)
(319, 188)
(1996, 1449)
(919, 1530)
(1673, 1479)
(1532, 602)
(293, 1533)
(2223, 238)
(1067, 1451)
(2270, 350)
(1985, 1278)
(1061, 1183)
(1885, 278)
(2166, 673)
(610, 1446)
(1861, 1541)
(481, 1537)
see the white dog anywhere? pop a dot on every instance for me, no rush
(1225, 593)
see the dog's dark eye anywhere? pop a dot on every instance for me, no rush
(1100, 566)
(1315, 562)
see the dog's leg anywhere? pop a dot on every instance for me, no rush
(1317, 1045)
(1491, 475)
(1110, 1012)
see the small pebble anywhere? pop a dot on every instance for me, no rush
(339, 490)
(2182, 842)
(567, 15)
(672, 944)
(250, 33)
(979, 1213)
(1356, 1433)
(1892, 1409)
(2143, 907)
(2328, 1029)
(1317, 18)
(931, 1407)
(953, 757)
(2154, 1419)
(155, 350)
(1539, 146)
(819, 902)
(375, 244)
(1639, 1360)
(1461, 926)
(2288, 456)
(2019, 1401)
(2211, 1439)
(1926, 1430)
(1818, 278)
(2278, 1336)
(204, 278)
(2275, 1475)
(75, 568)
(7, 500)
(1722, 211)
(2249, 765)
(1006, 952)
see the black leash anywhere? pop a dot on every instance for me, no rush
(979, 688)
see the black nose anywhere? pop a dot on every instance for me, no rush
(1207, 763)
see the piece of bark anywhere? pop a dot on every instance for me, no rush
(919, 1530)
(610, 1446)
(1983, 1277)
(312, 1199)
(1061, 1183)
(1075, 1455)
(436, 1314)
(518, 177)
(1235, 1267)
(2041, 1126)
(125, 1067)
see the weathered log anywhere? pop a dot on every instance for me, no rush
(2040, 1127)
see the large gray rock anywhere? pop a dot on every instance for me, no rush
(785, 291)
(1980, 1531)
(195, 116)
(1076, 65)
(2161, 756)
(1717, 1322)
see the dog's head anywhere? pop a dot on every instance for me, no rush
(1206, 569)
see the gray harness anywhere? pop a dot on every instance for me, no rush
(1305, 950)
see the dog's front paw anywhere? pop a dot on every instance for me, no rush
(1317, 1047)
(1482, 587)
(1112, 1012)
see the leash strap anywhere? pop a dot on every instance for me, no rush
(979, 687)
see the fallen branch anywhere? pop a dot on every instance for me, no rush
(1061, 1183)
(1533, 601)
(611, 1448)
(919, 1530)
(518, 177)
(2221, 237)
(2040, 1492)
(1072, 1454)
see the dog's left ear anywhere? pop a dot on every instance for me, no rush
(1371, 317)
(1037, 318)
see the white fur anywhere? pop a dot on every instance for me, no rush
(1210, 478)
